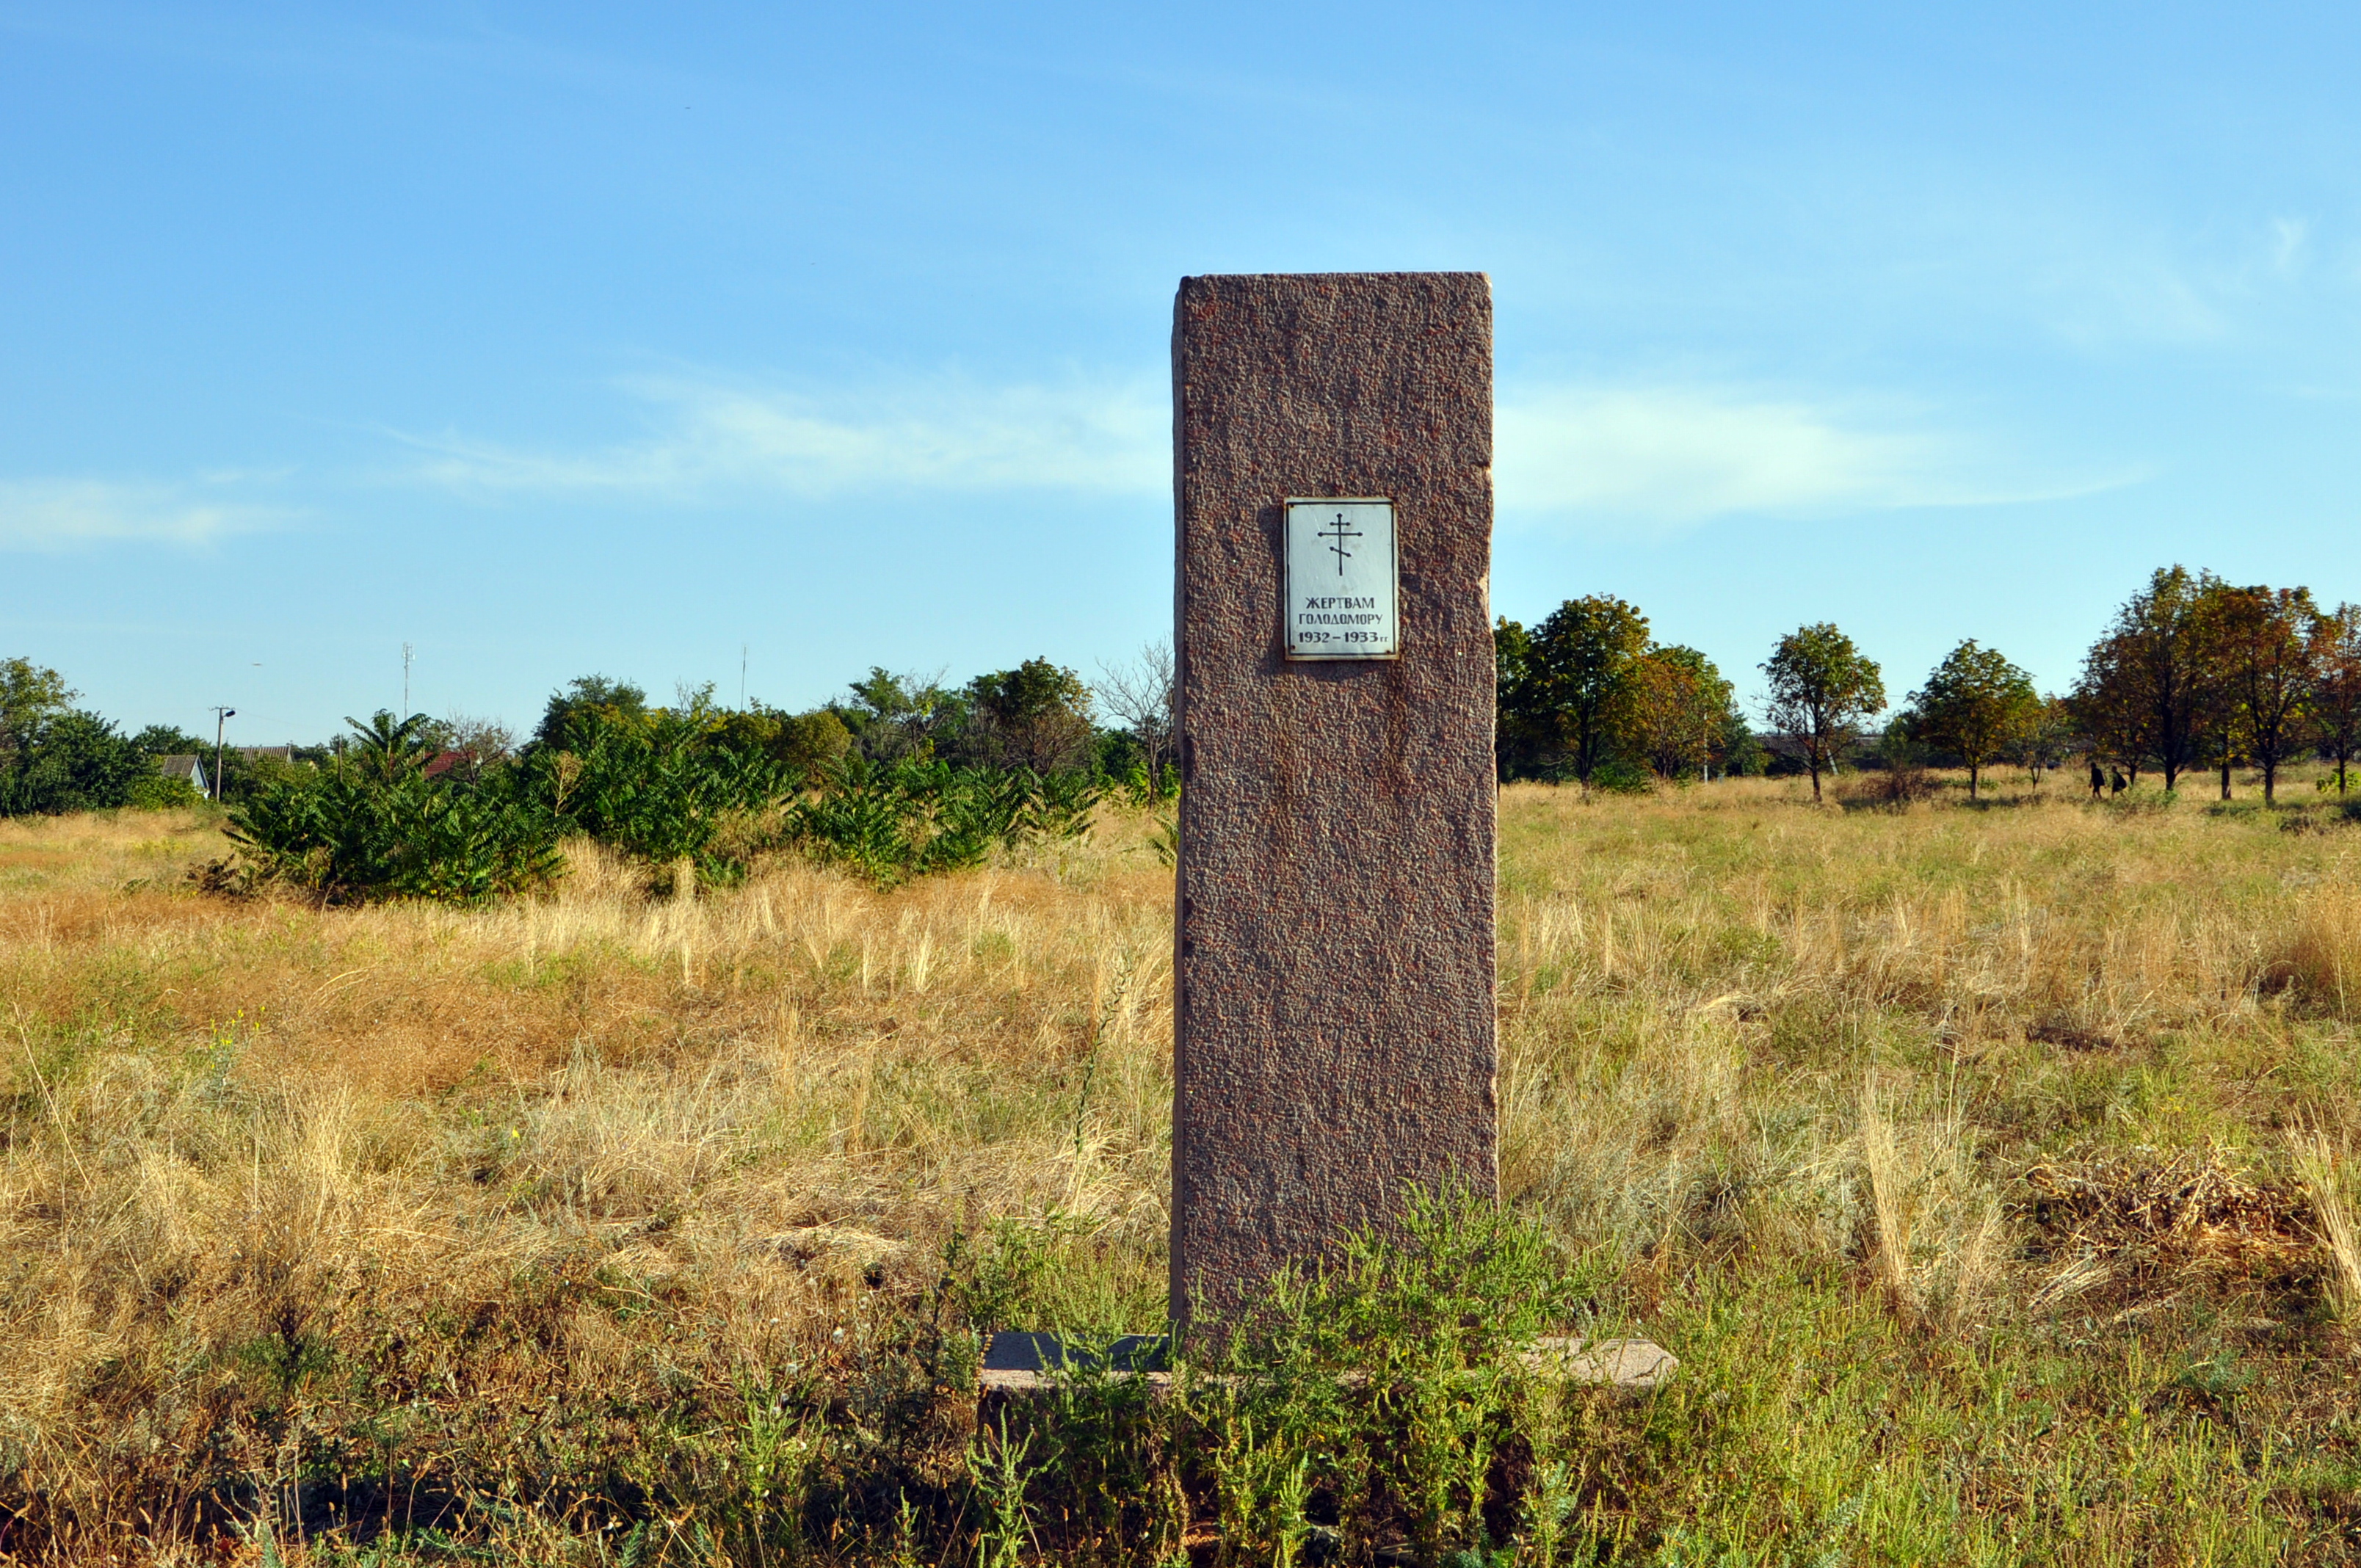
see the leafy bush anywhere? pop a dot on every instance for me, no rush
(376, 826)
(1391, 1392)
(1388, 1405)
(68, 760)
(154, 792)
(663, 786)
(893, 823)
(657, 784)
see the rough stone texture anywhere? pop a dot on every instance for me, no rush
(1334, 1009)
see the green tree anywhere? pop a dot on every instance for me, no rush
(1578, 676)
(70, 761)
(2336, 686)
(1519, 733)
(1973, 704)
(2144, 691)
(1678, 711)
(2045, 739)
(53, 757)
(30, 696)
(2261, 660)
(894, 719)
(1821, 688)
(170, 741)
(806, 744)
(377, 826)
(387, 750)
(587, 695)
(1036, 715)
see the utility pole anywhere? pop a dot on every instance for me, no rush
(405, 680)
(742, 650)
(222, 715)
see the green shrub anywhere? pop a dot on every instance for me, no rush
(375, 826)
(68, 760)
(1384, 1406)
(908, 819)
(154, 792)
(662, 786)
(659, 785)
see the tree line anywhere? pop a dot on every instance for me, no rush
(1588, 695)
(901, 776)
(2193, 671)
(2196, 673)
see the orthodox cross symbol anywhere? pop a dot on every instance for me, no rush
(1337, 532)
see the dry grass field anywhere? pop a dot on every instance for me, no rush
(1988, 1169)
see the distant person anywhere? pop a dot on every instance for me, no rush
(2119, 782)
(2098, 779)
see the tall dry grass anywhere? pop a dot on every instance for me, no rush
(480, 1162)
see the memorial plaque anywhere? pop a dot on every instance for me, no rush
(1343, 579)
(1334, 1038)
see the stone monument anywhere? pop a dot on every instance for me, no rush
(1333, 964)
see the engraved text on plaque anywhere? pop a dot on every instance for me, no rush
(1343, 588)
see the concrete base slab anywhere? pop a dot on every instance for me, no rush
(1029, 1363)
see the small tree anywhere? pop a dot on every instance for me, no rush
(806, 744)
(387, 750)
(594, 695)
(1578, 675)
(2046, 738)
(1973, 704)
(1515, 743)
(466, 746)
(30, 696)
(1140, 696)
(2336, 640)
(2143, 689)
(1036, 715)
(893, 718)
(1821, 688)
(2260, 650)
(1678, 711)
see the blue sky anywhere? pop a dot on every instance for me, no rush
(559, 339)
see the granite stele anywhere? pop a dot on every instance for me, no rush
(1334, 944)
(1334, 1022)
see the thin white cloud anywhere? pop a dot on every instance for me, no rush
(65, 514)
(943, 434)
(1669, 458)
(2101, 290)
(2289, 236)
(1657, 457)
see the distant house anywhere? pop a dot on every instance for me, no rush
(272, 753)
(190, 768)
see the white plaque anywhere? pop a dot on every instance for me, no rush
(1342, 587)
